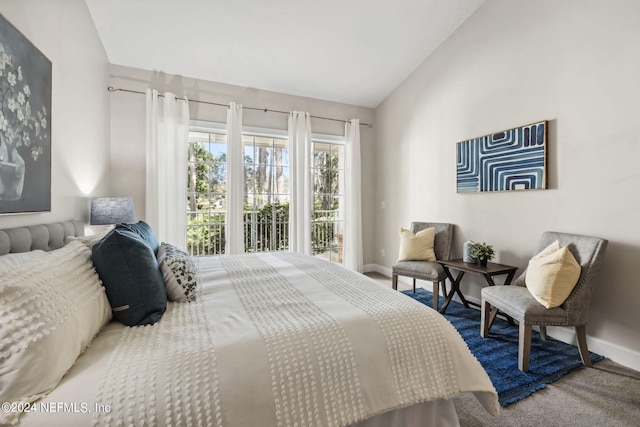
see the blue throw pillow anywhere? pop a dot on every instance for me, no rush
(145, 231)
(131, 276)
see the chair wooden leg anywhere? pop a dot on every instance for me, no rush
(524, 346)
(436, 295)
(414, 285)
(394, 281)
(581, 334)
(492, 316)
(543, 332)
(485, 324)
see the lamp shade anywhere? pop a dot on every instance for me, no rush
(111, 210)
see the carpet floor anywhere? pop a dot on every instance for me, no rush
(498, 353)
(606, 395)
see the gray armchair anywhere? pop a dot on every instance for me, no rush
(427, 270)
(517, 302)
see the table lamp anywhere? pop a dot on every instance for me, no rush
(111, 210)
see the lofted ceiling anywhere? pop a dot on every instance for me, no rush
(350, 51)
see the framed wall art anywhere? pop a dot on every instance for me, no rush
(25, 124)
(513, 159)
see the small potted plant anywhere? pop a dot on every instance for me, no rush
(482, 252)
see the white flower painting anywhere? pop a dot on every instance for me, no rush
(25, 124)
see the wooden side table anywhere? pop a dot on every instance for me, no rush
(491, 269)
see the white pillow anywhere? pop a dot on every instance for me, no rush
(10, 260)
(88, 240)
(179, 273)
(417, 247)
(552, 275)
(50, 310)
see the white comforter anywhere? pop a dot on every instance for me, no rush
(276, 339)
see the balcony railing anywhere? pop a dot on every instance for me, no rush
(206, 234)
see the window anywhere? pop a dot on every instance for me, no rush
(266, 193)
(206, 209)
(328, 198)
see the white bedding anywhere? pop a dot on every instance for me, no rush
(275, 339)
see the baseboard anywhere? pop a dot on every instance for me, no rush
(615, 352)
(376, 268)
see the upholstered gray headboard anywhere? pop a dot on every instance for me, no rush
(46, 237)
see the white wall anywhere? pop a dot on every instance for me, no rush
(572, 62)
(63, 30)
(128, 126)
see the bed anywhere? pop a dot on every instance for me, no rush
(272, 339)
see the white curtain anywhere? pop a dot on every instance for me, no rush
(301, 190)
(234, 229)
(352, 254)
(167, 154)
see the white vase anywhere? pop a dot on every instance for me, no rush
(466, 252)
(11, 174)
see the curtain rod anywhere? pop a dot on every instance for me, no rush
(266, 110)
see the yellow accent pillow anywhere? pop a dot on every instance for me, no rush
(417, 247)
(552, 275)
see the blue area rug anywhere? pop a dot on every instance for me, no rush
(498, 353)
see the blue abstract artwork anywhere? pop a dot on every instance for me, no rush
(513, 159)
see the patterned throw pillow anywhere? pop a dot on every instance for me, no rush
(179, 273)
